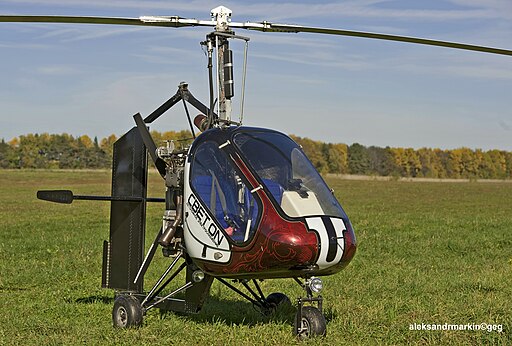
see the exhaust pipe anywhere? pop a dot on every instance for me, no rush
(170, 230)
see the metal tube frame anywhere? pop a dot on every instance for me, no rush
(168, 281)
(149, 257)
(259, 298)
(161, 278)
(182, 288)
(182, 93)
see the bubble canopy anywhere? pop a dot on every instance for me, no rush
(283, 168)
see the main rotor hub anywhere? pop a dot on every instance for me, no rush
(222, 16)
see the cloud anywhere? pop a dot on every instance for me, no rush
(316, 58)
(89, 32)
(95, 34)
(504, 125)
(453, 63)
(165, 56)
(487, 14)
(116, 4)
(58, 70)
(311, 74)
(489, 5)
(12, 45)
(463, 9)
(292, 39)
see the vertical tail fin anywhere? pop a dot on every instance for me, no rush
(124, 252)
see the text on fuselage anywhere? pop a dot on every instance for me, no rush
(205, 220)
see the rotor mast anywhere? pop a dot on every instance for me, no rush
(222, 16)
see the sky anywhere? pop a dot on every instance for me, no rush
(91, 79)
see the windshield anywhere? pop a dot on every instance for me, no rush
(217, 184)
(287, 174)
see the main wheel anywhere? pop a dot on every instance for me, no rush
(127, 312)
(312, 323)
(274, 300)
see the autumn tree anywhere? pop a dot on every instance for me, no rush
(381, 161)
(336, 157)
(358, 159)
(7, 155)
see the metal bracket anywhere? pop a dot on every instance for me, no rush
(222, 16)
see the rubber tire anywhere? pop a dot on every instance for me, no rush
(313, 321)
(277, 299)
(273, 301)
(127, 312)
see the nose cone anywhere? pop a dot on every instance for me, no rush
(299, 247)
(337, 243)
(350, 244)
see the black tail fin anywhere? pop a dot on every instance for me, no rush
(124, 252)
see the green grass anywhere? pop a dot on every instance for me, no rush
(427, 253)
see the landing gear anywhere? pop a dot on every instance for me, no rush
(309, 320)
(130, 307)
(266, 305)
(127, 312)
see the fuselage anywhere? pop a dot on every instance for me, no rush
(255, 207)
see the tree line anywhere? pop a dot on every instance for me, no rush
(54, 151)
(407, 162)
(69, 152)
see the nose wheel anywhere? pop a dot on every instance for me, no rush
(309, 320)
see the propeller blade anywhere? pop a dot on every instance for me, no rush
(170, 21)
(290, 28)
(150, 144)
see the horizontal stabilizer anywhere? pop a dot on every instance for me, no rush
(57, 196)
(67, 197)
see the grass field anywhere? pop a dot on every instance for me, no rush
(428, 252)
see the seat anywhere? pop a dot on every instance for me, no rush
(203, 186)
(275, 189)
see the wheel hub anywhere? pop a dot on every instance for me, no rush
(122, 316)
(304, 328)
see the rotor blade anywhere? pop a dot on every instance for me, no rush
(176, 22)
(67, 197)
(270, 27)
(150, 144)
(71, 20)
(171, 21)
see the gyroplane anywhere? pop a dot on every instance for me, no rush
(241, 204)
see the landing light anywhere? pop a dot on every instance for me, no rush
(197, 276)
(316, 284)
